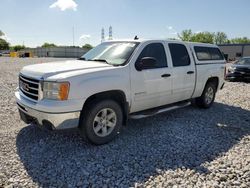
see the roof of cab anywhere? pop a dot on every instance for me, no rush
(202, 44)
(146, 40)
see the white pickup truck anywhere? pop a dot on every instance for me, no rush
(118, 80)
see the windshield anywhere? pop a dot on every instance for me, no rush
(114, 53)
(244, 61)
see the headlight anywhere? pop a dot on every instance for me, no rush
(231, 69)
(56, 90)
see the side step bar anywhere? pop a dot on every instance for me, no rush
(158, 110)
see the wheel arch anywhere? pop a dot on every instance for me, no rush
(116, 95)
(214, 80)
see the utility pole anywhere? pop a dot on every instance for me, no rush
(110, 33)
(102, 35)
(73, 35)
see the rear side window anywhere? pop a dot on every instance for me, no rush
(202, 53)
(157, 51)
(208, 53)
(179, 55)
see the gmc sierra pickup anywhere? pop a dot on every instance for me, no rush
(118, 80)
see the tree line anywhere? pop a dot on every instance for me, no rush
(211, 37)
(185, 35)
(4, 45)
(51, 45)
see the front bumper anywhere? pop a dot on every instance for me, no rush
(49, 120)
(238, 76)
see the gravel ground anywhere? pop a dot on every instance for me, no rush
(188, 147)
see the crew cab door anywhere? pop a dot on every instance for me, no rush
(183, 71)
(151, 86)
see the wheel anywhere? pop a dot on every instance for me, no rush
(206, 100)
(101, 122)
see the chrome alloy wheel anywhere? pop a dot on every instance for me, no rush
(104, 122)
(209, 95)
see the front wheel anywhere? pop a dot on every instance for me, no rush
(206, 100)
(101, 122)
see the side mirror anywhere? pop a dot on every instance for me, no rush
(145, 63)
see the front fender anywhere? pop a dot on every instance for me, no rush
(86, 85)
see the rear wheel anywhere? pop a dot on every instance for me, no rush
(206, 100)
(101, 122)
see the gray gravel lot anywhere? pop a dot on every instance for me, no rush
(189, 147)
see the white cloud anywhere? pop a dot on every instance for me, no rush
(64, 5)
(171, 30)
(84, 37)
(170, 27)
(5, 37)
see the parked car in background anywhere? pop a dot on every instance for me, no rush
(118, 80)
(5, 54)
(240, 70)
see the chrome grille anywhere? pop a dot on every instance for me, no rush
(29, 86)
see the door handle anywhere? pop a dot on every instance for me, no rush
(190, 72)
(165, 75)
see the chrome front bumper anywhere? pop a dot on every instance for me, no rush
(49, 120)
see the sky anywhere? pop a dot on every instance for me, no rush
(33, 22)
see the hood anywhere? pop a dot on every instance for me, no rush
(49, 69)
(240, 66)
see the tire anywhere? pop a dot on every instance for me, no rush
(206, 100)
(101, 122)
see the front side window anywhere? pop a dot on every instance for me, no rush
(179, 55)
(114, 53)
(157, 51)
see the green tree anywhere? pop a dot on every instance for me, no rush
(204, 37)
(1, 33)
(186, 35)
(173, 39)
(240, 40)
(4, 45)
(18, 47)
(220, 38)
(87, 46)
(48, 45)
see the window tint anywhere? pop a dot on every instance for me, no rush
(216, 54)
(179, 55)
(208, 53)
(157, 51)
(202, 53)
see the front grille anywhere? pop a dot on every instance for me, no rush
(29, 86)
(246, 70)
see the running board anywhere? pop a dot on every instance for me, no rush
(154, 111)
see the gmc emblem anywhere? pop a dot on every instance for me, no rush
(24, 86)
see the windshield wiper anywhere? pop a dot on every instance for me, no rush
(81, 58)
(101, 60)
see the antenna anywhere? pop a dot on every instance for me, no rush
(136, 38)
